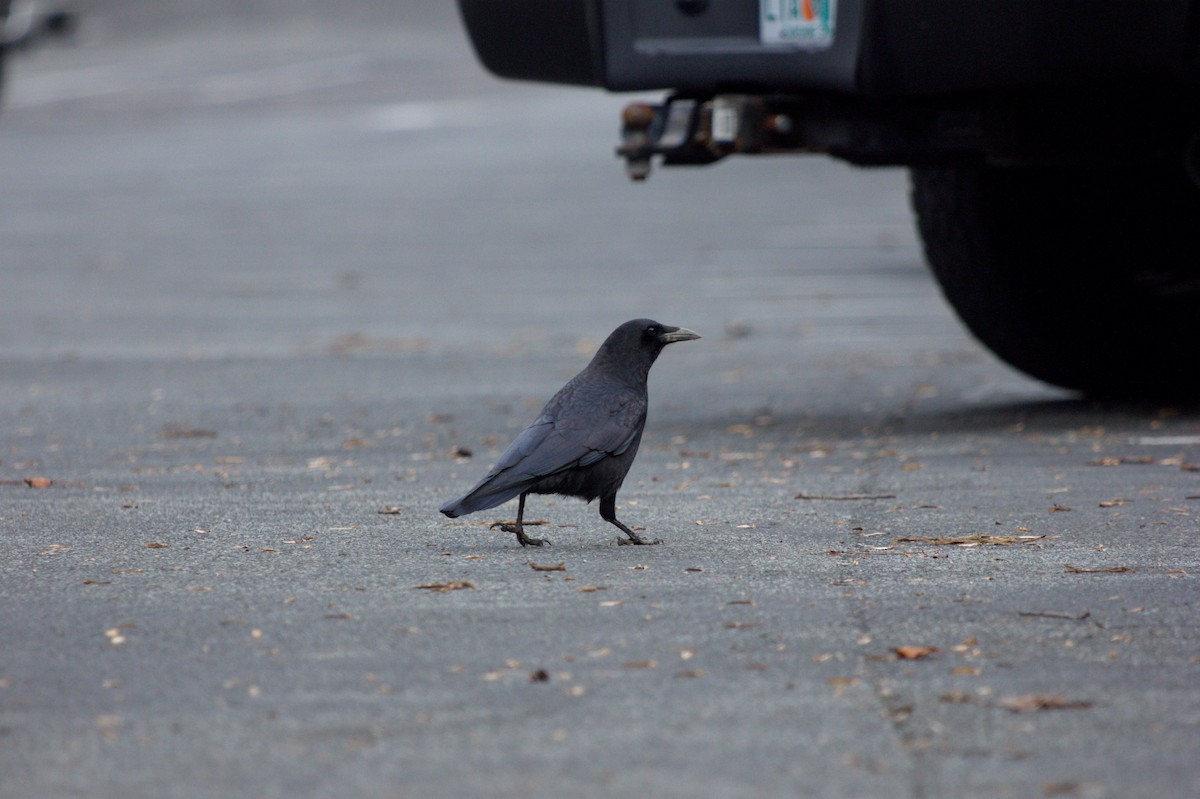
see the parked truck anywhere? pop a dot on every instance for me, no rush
(1053, 145)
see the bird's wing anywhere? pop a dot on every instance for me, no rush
(583, 429)
(580, 426)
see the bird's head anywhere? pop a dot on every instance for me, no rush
(639, 341)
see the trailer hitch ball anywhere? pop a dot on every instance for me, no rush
(636, 146)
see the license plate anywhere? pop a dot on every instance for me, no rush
(804, 23)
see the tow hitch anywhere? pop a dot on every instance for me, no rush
(691, 131)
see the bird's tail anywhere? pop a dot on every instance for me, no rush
(481, 498)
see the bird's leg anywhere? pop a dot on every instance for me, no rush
(608, 512)
(519, 527)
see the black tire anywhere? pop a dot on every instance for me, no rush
(1087, 279)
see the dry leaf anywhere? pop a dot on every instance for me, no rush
(555, 567)
(156, 545)
(441, 588)
(1052, 615)
(391, 510)
(1113, 503)
(587, 589)
(640, 664)
(974, 540)
(843, 497)
(1056, 508)
(174, 432)
(966, 671)
(1029, 703)
(957, 697)
(38, 482)
(914, 652)
(1069, 569)
(1121, 460)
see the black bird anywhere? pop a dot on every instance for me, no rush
(585, 439)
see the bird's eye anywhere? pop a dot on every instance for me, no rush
(652, 331)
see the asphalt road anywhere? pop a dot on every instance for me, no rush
(277, 282)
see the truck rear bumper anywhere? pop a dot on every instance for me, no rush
(877, 48)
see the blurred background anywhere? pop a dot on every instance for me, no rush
(217, 178)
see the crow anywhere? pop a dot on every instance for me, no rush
(585, 439)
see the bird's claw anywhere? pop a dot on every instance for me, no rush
(518, 530)
(638, 540)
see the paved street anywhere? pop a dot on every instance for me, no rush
(276, 283)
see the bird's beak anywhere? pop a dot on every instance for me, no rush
(673, 334)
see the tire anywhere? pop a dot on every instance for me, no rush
(1087, 279)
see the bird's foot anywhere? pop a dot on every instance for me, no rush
(634, 538)
(525, 540)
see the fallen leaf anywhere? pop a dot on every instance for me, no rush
(914, 652)
(966, 671)
(1113, 503)
(1056, 508)
(587, 589)
(640, 664)
(541, 567)
(174, 432)
(957, 697)
(612, 603)
(1030, 703)
(391, 510)
(1121, 460)
(1052, 615)
(843, 497)
(156, 545)
(974, 540)
(1069, 569)
(690, 673)
(38, 482)
(441, 588)
(741, 602)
